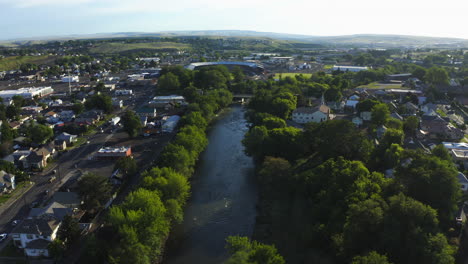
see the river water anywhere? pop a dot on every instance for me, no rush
(223, 196)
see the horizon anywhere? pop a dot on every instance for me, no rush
(35, 19)
(97, 35)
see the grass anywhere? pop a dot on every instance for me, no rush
(122, 47)
(441, 113)
(14, 62)
(11, 251)
(328, 67)
(377, 85)
(292, 74)
(18, 188)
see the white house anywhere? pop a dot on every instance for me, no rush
(317, 114)
(123, 92)
(73, 79)
(34, 235)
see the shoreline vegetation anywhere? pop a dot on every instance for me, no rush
(136, 230)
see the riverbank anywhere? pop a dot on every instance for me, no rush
(223, 195)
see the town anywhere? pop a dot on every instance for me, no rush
(83, 129)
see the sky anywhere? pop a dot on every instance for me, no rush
(42, 18)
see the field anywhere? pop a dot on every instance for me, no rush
(14, 62)
(292, 74)
(377, 85)
(122, 47)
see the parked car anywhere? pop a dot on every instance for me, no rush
(52, 179)
(3, 236)
(15, 222)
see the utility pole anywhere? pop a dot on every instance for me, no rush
(69, 81)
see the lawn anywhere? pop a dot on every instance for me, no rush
(377, 85)
(14, 62)
(19, 187)
(292, 74)
(122, 47)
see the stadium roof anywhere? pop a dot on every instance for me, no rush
(192, 66)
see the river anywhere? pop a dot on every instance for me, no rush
(223, 196)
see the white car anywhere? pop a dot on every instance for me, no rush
(3, 236)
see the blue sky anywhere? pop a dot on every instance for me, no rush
(36, 18)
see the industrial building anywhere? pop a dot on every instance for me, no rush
(27, 93)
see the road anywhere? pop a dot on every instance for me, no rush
(68, 166)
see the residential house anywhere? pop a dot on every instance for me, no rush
(463, 181)
(60, 144)
(7, 181)
(67, 115)
(410, 108)
(68, 138)
(53, 209)
(428, 107)
(317, 114)
(146, 111)
(67, 199)
(37, 159)
(35, 234)
(437, 128)
(381, 131)
(366, 115)
(117, 103)
(396, 116)
(357, 121)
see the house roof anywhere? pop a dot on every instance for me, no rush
(310, 110)
(396, 116)
(59, 211)
(33, 157)
(462, 178)
(37, 226)
(38, 244)
(66, 198)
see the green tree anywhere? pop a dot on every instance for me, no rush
(238, 74)
(333, 95)
(432, 181)
(56, 249)
(94, 190)
(411, 124)
(78, 108)
(243, 251)
(6, 132)
(371, 258)
(69, 231)
(168, 81)
(127, 165)
(366, 105)
(380, 114)
(178, 158)
(419, 72)
(131, 123)
(441, 152)
(273, 122)
(437, 76)
(194, 118)
(41, 133)
(392, 136)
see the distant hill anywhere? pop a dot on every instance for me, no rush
(363, 40)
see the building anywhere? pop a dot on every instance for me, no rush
(317, 114)
(463, 181)
(123, 92)
(28, 93)
(73, 79)
(349, 68)
(35, 234)
(67, 199)
(170, 124)
(147, 111)
(114, 153)
(7, 181)
(70, 139)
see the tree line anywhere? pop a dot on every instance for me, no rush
(328, 181)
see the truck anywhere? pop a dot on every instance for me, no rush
(115, 120)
